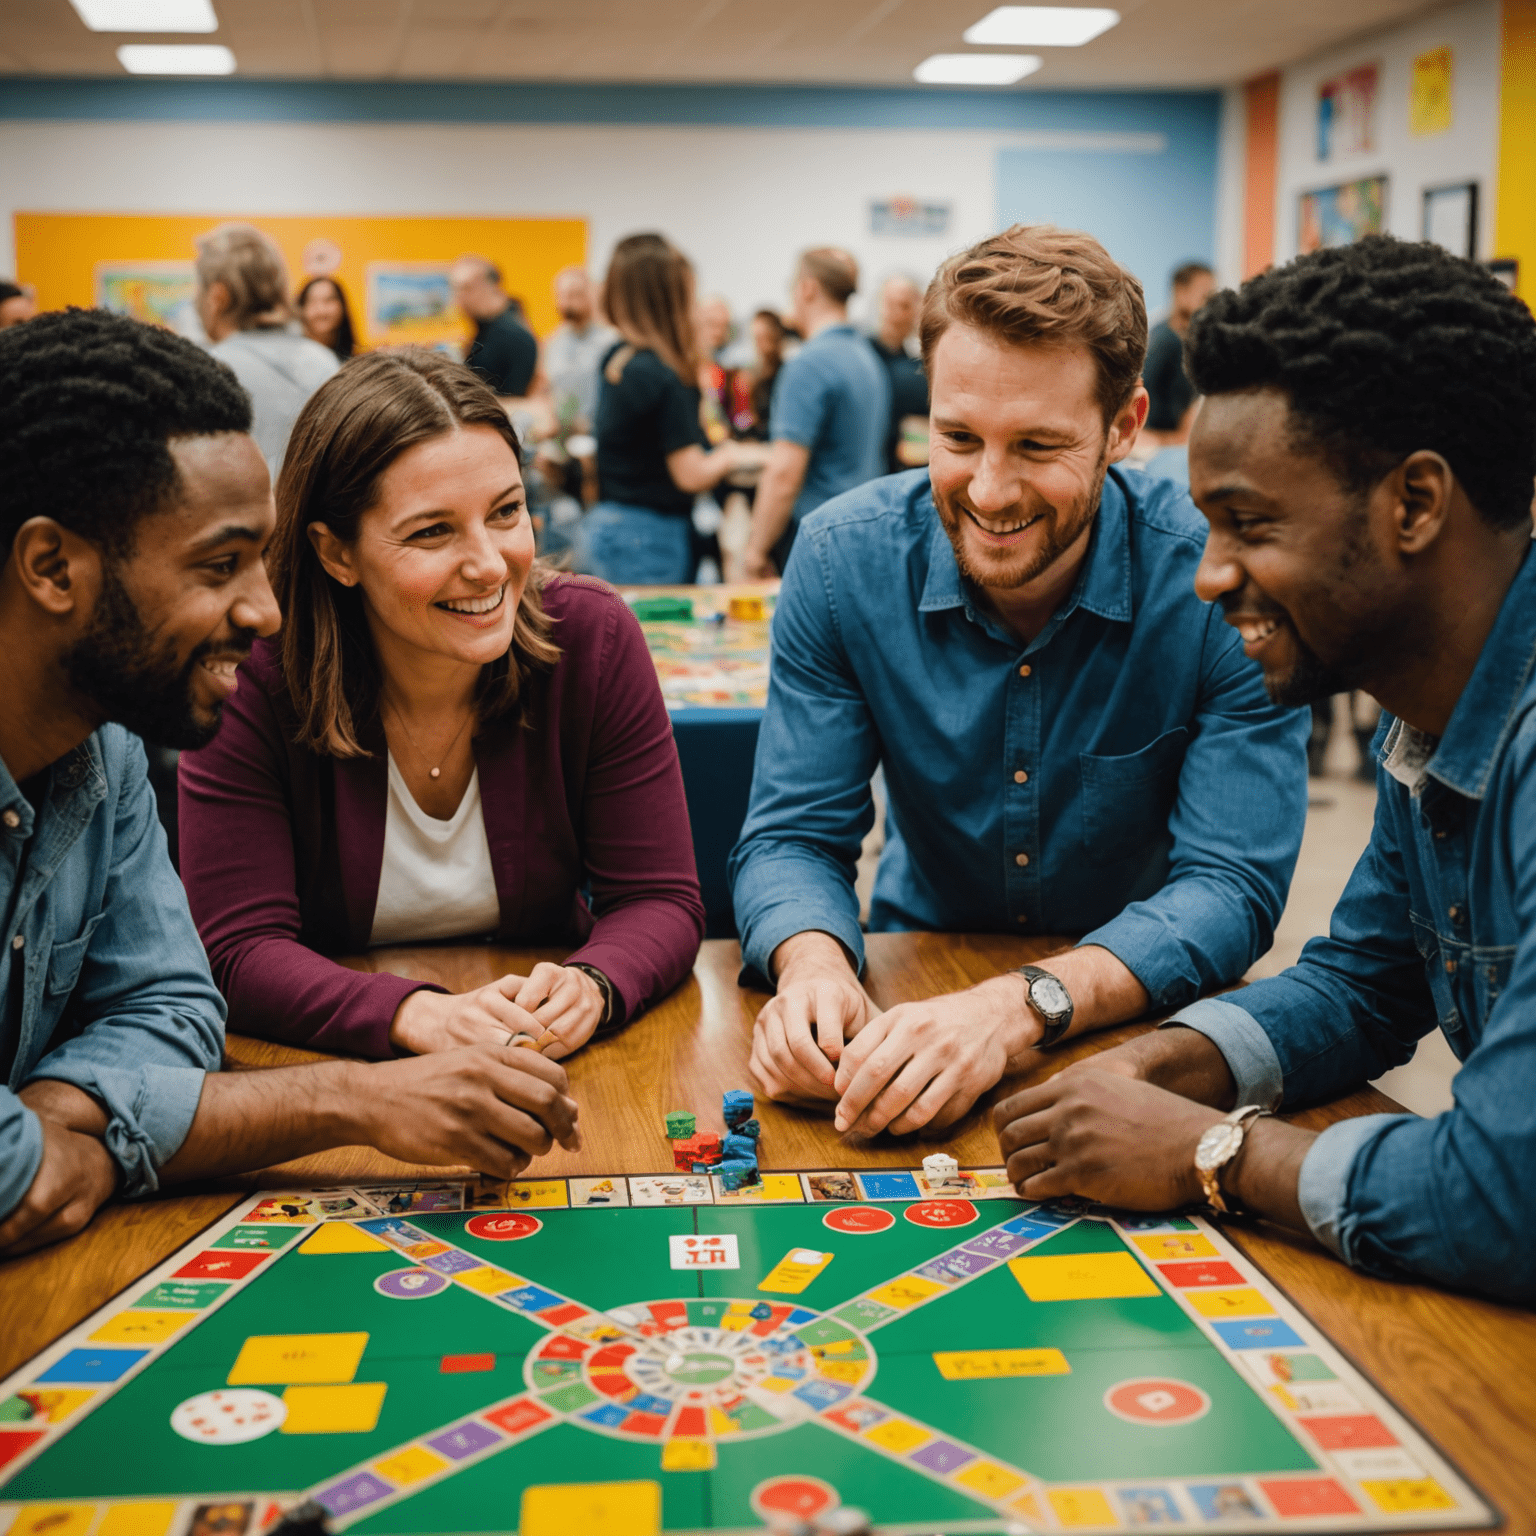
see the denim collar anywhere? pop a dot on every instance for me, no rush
(79, 775)
(1485, 713)
(1103, 585)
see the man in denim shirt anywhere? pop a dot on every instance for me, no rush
(1365, 458)
(1072, 741)
(135, 511)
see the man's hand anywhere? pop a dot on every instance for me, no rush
(798, 1037)
(926, 1064)
(75, 1178)
(757, 565)
(1104, 1135)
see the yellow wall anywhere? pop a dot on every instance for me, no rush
(1515, 218)
(59, 252)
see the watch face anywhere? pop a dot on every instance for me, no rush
(1049, 996)
(1216, 1145)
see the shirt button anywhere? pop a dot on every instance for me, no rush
(11, 819)
(18, 942)
(1020, 777)
(1024, 671)
(1021, 859)
(1021, 918)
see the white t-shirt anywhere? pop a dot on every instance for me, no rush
(436, 881)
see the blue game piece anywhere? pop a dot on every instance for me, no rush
(749, 1128)
(734, 1172)
(736, 1107)
(742, 1148)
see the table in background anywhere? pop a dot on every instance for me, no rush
(1464, 1369)
(714, 676)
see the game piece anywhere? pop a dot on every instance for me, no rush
(701, 1147)
(680, 1125)
(940, 1166)
(735, 1172)
(663, 610)
(742, 1147)
(747, 608)
(736, 1106)
(750, 1128)
(306, 1519)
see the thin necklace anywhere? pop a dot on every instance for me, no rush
(433, 772)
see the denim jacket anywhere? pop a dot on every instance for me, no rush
(1437, 927)
(103, 983)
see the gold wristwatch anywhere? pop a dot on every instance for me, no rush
(1217, 1147)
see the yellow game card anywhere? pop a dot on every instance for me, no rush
(286, 1357)
(907, 1292)
(1081, 1506)
(594, 1509)
(1176, 1245)
(522, 1193)
(137, 1326)
(1243, 1302)
(1081, 1276)
(974, 1364)
(773, 1189)
(352, 1409)
(795, 1271)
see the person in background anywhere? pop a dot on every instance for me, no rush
(1168, 387)
(906, 443)
(830, 416)
(573, 351)
(448, 741)
(326, 316)
(714, 326)
(753, 398)
(653, 456)
(242, 301)
(504, 352)
(16, 303)
(136, 511)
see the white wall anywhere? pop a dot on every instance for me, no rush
(740, 201)
(1467, 151)
(1231, 181)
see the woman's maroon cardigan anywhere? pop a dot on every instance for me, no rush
(584, 811)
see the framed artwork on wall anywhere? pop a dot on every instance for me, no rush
(1450, 218)
(1341, 214)
(1346, 113)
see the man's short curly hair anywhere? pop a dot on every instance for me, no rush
(1382, 348)
(89, 402)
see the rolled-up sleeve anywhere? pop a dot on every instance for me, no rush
(1249, 1052)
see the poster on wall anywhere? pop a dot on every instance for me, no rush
(908, 216)
(411, 303)
(157, 292)
(1341, 214)
(1450, 218)
(1346, 113)
(1429, 93)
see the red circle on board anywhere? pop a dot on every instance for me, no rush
(859, 1218)
(1156, 1400)
(803, 1497)
(503, 1226)
(942, 1213)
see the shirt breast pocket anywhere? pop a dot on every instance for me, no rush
(66, 960)
(1127, 800)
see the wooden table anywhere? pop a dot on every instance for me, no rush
(1464, 1369)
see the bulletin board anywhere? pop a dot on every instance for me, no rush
(394, 269)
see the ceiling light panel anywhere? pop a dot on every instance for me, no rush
(1042, 26)
(147, 15)
(176, 59)
(976, 68)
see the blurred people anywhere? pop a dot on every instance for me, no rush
(16, 303)
(242, 301)
(906, 444)
(653, 457)
(830, 415)
(505, 352)
(750, 414)
(714, 326)
(573, 351)
(1172, 395)
(326, 316)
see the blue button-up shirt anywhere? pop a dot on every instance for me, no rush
(1123, 776)
(103, 982)
(1437, 926)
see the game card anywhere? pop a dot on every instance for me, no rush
(587, 1193)
(681, 1189)
(715, 1250)
(953, 1186)
(771, 1189)
(795, 1271)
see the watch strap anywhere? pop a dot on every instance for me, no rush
(607, 988)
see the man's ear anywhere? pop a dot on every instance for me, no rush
(1125, 427)
(334, 555)
(1422, 487)
(57, 569)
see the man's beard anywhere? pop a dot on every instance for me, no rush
(118, 667)
(1310, 680)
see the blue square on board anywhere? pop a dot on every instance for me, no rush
(95, 1365)
(531, 1298)
(888, 1186)
(610, 1414)
(1257, 1333)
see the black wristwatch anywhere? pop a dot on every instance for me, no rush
(1049, 997)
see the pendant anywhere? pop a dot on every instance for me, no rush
(436, 773)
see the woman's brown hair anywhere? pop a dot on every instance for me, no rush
(648, 295)
(352, 429)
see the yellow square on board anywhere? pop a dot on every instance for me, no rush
(1082, 1276)
(1245, 1302)
(411, 1465)
(778, 1384)
(594, 1509)
(907, 1292)
(1164, 1246)
(781, 1186)
(973, 1364)
(522, 1193)
(141, 1327)
(54, 1520)
(342, 1237)
(1403, 1496)
(1025, 1505)
(991, 1482)
(352, 1409)
(489, 1281)
(685, 1455)
(719, 1424)
(843, 1370)
(736, 1323)
(151, 1518)
(285, 1357)
(1081, 1506)
(897, 1435)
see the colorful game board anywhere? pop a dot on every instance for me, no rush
(619, 1357)
(714, 660)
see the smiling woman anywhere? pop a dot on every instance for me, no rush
(448, 740)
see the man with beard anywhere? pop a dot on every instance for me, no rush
(1072, 741)
(1365, 459)
(135, 510)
